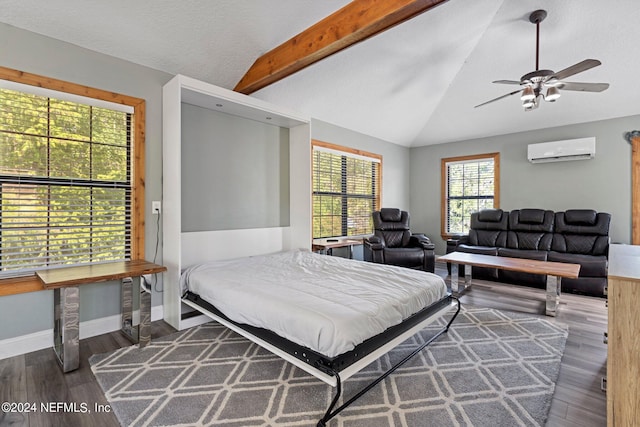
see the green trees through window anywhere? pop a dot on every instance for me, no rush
(65, 183)
(345, 190)
(470, 184)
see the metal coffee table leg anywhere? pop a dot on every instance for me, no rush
(458, 285)
(553, 295)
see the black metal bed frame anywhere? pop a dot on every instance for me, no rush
(334, 365)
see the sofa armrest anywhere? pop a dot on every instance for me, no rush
(421, 241)
(462, 239)
(373, 249)
(374, 242)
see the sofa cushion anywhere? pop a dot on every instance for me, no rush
(405, 257)
(489, 228)
(580, 216)
(482, 250)
(530, 229)
(534, 241)
(531, 220)
(592, 286)
(520, 253)
(490, 219)
(530, 216)
(490, 215)
(390, 214)
(582, 221)
(392, 226)
(590, 266)
(581, 231)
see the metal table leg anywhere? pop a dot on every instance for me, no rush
(459, 287)
(554, 287)
(66, 327)
(140, 333)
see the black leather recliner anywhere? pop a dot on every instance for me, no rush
(393, 243)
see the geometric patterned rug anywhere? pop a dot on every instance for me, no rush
(493, 368)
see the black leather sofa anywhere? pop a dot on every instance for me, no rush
(578, 236)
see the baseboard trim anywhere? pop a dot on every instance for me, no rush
(23, 344)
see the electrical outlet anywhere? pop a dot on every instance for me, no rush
(156, 207)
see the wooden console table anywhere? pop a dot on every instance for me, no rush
(623, 360)
(326, 246)
(553, 270)
(65, 284)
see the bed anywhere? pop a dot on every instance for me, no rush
(329, 316)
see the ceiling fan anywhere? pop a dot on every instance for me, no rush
(546, 84)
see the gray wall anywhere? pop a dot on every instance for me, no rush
(33, 53)
(395, 166)
(603, 183)
(395, 160)
(235, 172)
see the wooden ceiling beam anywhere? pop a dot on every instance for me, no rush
(354, 23)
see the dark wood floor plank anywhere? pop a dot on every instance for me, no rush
(13, 389)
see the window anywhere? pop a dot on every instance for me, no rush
(469, 184)
(346, 190)
(71, 183)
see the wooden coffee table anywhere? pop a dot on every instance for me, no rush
(554, 271)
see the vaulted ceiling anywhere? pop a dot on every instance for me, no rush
(414, 84)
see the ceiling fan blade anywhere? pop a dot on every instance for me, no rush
(500, 97)
(583, 87)
(507, 82)
(575, 69)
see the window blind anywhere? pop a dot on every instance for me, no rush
(470, 188)
(65, 183)
(345, 192)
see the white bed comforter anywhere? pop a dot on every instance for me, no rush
(326, 303)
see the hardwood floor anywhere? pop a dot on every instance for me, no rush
(578, 401)
(36, 378)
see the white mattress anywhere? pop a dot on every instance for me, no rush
(329, 304)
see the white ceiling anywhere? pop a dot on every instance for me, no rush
(415, 84)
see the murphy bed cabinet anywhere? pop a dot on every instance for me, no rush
(183, 247)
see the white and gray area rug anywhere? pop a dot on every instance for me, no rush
(493, 368)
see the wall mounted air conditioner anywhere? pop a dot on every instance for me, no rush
(558, 151)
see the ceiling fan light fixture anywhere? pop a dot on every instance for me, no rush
(546, 84)
(529, 104)
(528, 94)
(552, 94)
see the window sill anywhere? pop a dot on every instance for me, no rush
(20, 285)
